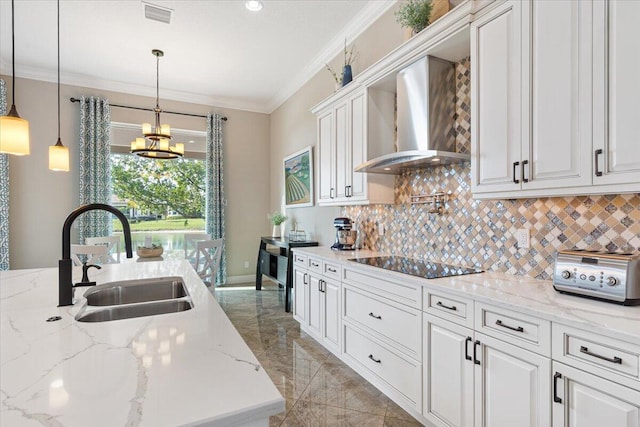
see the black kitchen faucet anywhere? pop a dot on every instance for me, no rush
(65, 284)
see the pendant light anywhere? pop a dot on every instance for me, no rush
(59, 154)
(14, 130)
(155, 144)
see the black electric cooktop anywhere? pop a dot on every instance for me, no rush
(416, 267)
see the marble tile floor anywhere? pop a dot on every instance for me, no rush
(319, 389)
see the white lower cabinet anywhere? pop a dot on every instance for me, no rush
(584, 400)
(331, 314)
(450, 360)
(324, 311)
(470, 379)
(447, 371)
(300, 295)
(512, 385)
(401, 374)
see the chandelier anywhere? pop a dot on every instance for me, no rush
(155, 144)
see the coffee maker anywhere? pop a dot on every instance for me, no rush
(345, 236)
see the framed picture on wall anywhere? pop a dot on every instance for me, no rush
(298, 179)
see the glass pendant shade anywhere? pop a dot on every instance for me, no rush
(59, 158)
(14, 134)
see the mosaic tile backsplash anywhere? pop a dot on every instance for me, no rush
(482, 233)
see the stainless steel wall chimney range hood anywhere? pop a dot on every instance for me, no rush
(425, 119)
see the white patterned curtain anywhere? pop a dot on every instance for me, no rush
(215, 201)
(4, 190)
(95, 165)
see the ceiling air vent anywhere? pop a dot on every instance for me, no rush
(157, 13)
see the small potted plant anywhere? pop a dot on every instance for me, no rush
(414, 14)
(277, 219)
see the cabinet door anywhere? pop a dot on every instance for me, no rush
(315, 306)
(496, 99)
(326, 157)
(558, 54)
(357, 181)
(300, 295)
(589, 401)
(342, 149)
(616, 92)
(331, 314)
(447, 372)
(512, 386)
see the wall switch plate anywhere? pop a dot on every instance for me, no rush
(381, 229)
(246, 264)
(523, 238)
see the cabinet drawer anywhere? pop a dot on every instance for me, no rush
(403, 375)
(314, 264)
(515, 328)
(454, 308)
(300, 260)
(330, 269)
(597, 354)
(385, 319)
(404, 293)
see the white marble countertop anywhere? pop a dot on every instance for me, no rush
(187, 368)
(523, 293)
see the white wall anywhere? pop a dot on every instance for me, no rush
(41, 199)
(293, 126)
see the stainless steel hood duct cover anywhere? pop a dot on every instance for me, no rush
(425, 119)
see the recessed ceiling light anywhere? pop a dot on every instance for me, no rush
(387, 169)
(191, 141)
(253, 5)
(435, 159)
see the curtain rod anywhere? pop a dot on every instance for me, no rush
(151, 109)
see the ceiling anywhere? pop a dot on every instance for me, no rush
(216, 52)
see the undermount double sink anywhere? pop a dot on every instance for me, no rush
(135, 298)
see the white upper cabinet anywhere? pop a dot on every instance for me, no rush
(496, 98)
(616, 112)
(557, 131)
(342, 145)
(554, 99)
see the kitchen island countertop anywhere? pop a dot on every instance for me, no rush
(187, 368)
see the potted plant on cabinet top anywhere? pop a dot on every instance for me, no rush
(414, 14)
(276, 218)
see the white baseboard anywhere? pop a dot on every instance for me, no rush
(247, 278)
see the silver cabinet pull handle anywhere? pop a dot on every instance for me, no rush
(615, 359)
(518, 329)
(333, 270)
(331, 193)
(374, 359)
(315, 264)
(304, 279)
(452, 307)
(374, 316)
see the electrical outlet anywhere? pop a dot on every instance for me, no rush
(246, 264)
(381, 229)
(523, 238)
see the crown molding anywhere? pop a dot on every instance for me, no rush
(371, 12)
(352, 30)
(71, 79)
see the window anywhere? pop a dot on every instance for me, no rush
(163, 199)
